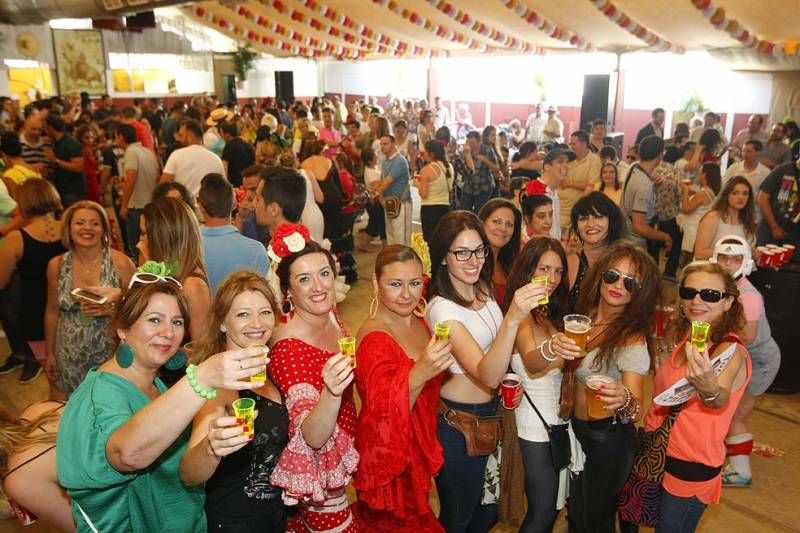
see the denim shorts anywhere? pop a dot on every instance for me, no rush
(766, 361)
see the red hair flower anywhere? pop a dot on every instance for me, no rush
(287, 239)
(534, 187)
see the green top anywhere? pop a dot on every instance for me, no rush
(153, 499)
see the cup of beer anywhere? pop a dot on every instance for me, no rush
(700, 334)
(595, 407)
(663, 317)
(442, 331)
(245, 410)
(577, 327)
(543, 281)
(347, 345)
(261, 376)
(510, 386)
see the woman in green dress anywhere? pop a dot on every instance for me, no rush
(123, 433)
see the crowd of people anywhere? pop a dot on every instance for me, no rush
(165, 269)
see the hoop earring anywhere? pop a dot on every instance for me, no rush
(177, 361)
(287, 306)
(681, 312)
(421, 308)
(373, 306)
(124, 355)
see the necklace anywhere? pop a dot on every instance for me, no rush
(92, 264)
(493, 333)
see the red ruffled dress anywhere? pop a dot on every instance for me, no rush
(313, 479)
(398, 446)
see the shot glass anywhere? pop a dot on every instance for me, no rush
(700, 334)
(441, 331)
(543, 281)
(261, 376)
(347, 345)
(245, 410)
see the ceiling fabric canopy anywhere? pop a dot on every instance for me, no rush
(766, 30)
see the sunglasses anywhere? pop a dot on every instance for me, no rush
(481, 252)
(147, 277)
(711, 296)
(611, 276)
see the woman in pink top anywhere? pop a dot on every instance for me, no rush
(696, 449)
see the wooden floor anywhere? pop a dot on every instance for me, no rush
(772, 504)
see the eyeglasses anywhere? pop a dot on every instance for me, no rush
(147, 277)
(611, 276)
(711, 296)
(481, 252)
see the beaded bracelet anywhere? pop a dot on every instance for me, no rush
(628, 410)
(549, 343)
(208, 394)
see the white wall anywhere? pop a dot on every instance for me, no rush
(261, 79)
(405, 78)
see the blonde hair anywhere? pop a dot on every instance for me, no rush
(66, 236)
(17, 435)
(173, 235)
(214, 339)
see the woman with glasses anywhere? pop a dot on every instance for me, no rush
(123, 433)
(76, 329)
(619, 295)
(399, 375)
(481, 341)
(696, 449)
(598, 223)
(733, 213)
(315, 378)
(502, 223)
(235, 466)
(170, 234)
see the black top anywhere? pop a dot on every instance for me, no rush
(240, 490)
(331, 205)
(239, 156)
(525, 173)
(32, 268)
(67, 182)
(583, 268)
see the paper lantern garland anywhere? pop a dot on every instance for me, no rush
(551, 29)
(625, 22)
(718, 18)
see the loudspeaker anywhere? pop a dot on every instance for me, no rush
(146, 19)
(284, 85)
(598, 99)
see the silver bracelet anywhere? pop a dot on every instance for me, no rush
(712, 398)
(549, 343)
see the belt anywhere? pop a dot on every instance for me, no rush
(691, 471)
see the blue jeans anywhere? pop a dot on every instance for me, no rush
(133, 233)
(460, 481)
(679, 515)
(474, 202)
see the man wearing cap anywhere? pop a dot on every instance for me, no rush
(553, 131)
(582, 174)
(212, 138)
(188, 165)
(654, 127)
(638, 196)
(554, 171)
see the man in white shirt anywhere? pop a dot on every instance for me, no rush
(553, 131)
(753, 131)
(441, 115)
(534, 126)
(750, 169)
(554, 171)
(582, 174)
(188, 165)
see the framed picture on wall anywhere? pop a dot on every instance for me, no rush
(80, 61)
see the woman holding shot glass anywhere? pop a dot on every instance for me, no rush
(541, 261)
(696, 450)
(314, 376)
(603, 384)
(481, 341)
(233, 458)
(398, 376)
(123, 433)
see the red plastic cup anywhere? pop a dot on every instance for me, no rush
(510, 387)
(761, 257)
(770, 259)
(791, 248)
(783, 255)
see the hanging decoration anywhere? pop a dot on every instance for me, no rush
(717, 17)
(548, 27)
(503, 39)
(657, 43)
(440, 31)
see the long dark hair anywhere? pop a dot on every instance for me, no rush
(616, 176)
(713, 176)
(747, 214)
(709, 140)
(599, 205)
(436, 149)
(447, 230)
(637, 319)
(508, 252)
(523, 269)
(284, 267)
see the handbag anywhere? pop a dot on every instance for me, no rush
(560, 451)
(640, 498)
(393, 204)
(482, 434)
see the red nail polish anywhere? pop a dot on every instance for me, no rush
(245, 429)
(239, 421)
(597, 397)
(601, 387)
(250, 437)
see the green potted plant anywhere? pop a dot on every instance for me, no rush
(243, 59)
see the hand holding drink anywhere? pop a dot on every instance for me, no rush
(435, 359)
(577, 327)
(442, 331)
(337, 373)
(245, 410)
(595, 385)
(542, 281)
(511, 391)
(347, 345)
(261, 376)
(700, 334)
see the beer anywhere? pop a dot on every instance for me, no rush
(441, 331)
(542, 280)
(577, 327)
(245, 410)
(594, 407)
(347, 345)
(700, 334)
(261, 376)
(509, 388)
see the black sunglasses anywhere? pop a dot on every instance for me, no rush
(711, 296)
(631, 283)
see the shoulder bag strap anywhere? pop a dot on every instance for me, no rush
(546, 425)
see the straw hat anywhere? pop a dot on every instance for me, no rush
(218, 115)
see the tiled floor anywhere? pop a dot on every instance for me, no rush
(770, 505)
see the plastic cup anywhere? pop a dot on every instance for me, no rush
(700, 334)
(773, 246)
(770, 258)
(441, 331)
(245, 410)
(509, 389)
(347, 345)
(761, 257)
(543, 281)
(261, 376)
(577, 327)
(595, 407)
(786, 254)
(663, 317)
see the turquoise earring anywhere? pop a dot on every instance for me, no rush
(177, 361)
(124, 355)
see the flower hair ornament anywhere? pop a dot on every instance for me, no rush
(287, 239)
(535, 187)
